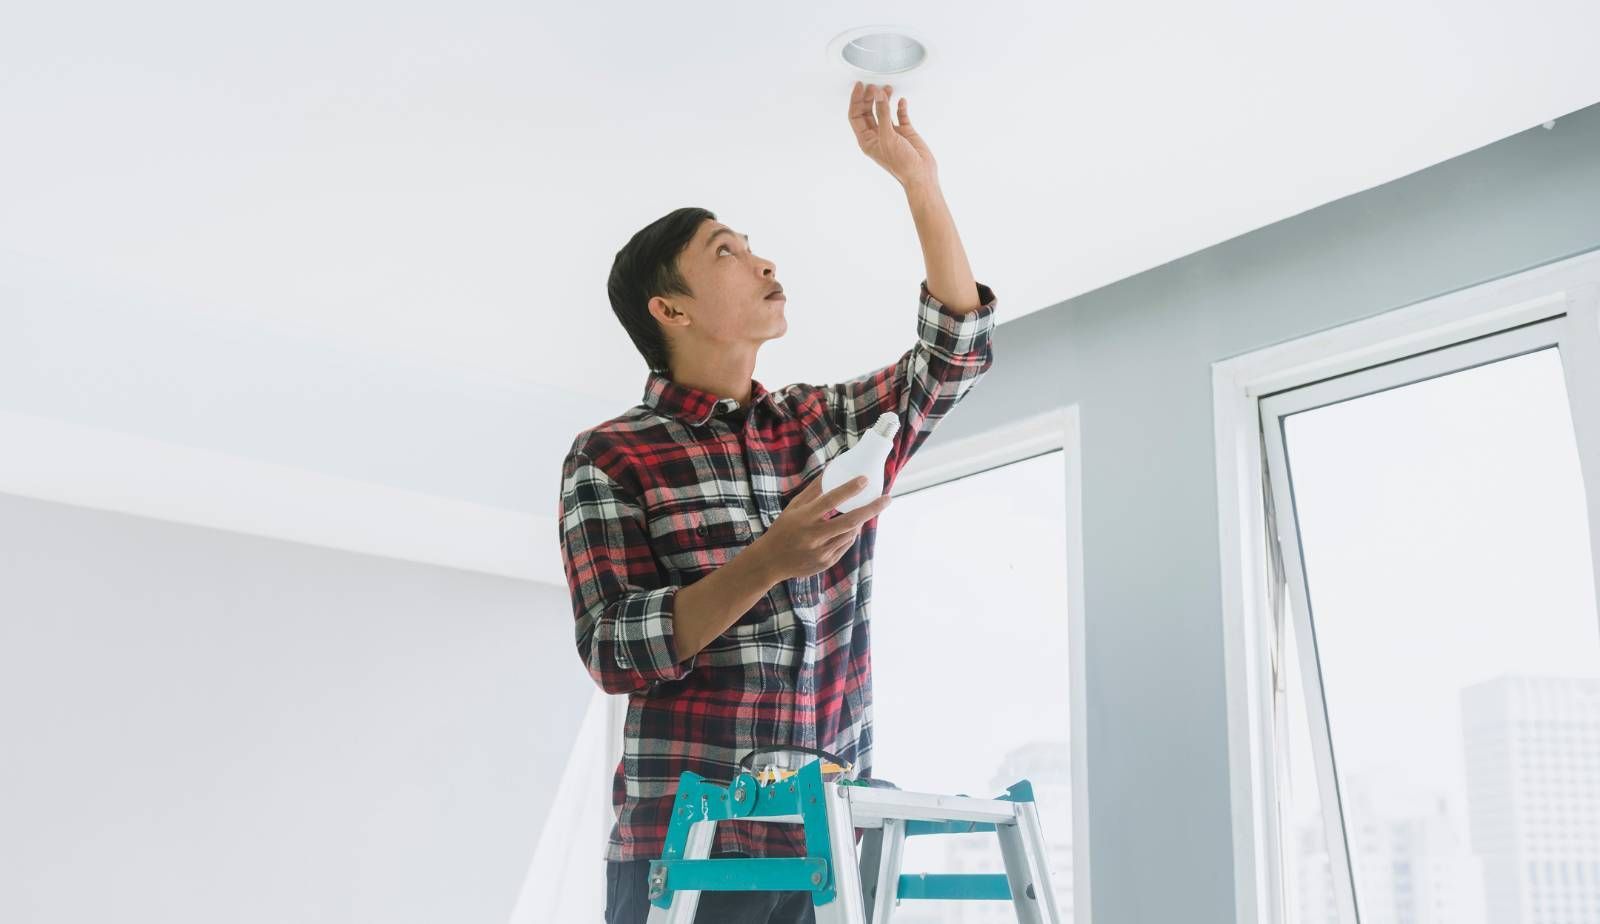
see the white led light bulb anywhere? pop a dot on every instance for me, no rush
(867, 457)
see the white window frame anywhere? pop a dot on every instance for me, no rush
(1567, 290)
(940, 462)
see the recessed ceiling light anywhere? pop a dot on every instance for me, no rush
(879, 50)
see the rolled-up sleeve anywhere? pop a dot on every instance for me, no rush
(952, 353)
(621, 602)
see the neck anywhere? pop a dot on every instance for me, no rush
(729, 378)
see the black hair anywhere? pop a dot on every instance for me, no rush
(645, 267)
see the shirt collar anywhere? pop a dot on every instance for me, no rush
(693, 406)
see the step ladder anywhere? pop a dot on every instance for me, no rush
(847, 887)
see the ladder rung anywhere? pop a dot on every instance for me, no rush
(869, 807)
(741, 874)
(915, 828)
(955, 887)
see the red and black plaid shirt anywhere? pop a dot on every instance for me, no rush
(664, 494)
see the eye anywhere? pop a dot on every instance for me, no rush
(722, 247)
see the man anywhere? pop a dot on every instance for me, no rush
(708, 580)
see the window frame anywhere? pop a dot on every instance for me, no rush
(1556, 304)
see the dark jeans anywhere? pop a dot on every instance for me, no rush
(628, 900)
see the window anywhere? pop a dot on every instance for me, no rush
(1441, 593)
(970, 663)
(1286, 735)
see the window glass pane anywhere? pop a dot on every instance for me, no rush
(1447, 555)
(969, 650)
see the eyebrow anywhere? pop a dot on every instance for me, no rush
(726, 231)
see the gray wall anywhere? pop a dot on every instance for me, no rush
(205, 726)
(1136, 356)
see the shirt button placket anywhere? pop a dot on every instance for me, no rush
(806, 686)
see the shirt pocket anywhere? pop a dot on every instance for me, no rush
(694, 541)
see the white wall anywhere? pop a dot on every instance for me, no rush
(202, 726)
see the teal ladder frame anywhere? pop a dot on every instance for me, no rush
(844, 883)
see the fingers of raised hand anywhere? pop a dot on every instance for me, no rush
(850, 488)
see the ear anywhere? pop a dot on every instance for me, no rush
(665, 314)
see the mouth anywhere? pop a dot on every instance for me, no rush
(777, 297)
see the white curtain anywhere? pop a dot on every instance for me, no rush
(566, 881)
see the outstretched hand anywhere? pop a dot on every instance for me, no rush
(895, 147)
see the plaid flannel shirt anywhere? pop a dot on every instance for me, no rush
(665, 493)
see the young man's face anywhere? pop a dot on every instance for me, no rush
(730, 308)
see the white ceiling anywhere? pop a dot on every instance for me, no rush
(444, 186)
